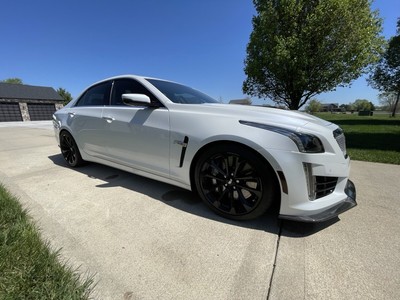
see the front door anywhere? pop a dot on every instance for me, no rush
(137, 136)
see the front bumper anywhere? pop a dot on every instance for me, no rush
(331, 212)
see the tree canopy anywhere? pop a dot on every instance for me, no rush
(13, 80)
(313, 106)
(301, 48)
(386, 75)
(65, 95)
(363, 105)
(388, 101)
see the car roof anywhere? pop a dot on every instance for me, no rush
(139, 77)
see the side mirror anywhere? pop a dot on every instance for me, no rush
(136, 99)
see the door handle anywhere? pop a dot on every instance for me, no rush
(109, 119)
(71, 114)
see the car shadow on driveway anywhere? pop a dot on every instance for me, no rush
(188, 201)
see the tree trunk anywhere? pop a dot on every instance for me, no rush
(395, 105)
(294, 102)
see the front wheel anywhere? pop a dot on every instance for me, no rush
(69, 150)
(234, 182)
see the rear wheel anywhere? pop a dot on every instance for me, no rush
(69, 150)
(234, 182)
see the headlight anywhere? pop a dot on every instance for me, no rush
(306, 143)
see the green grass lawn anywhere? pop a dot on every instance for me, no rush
(369, 138)
(28, 268)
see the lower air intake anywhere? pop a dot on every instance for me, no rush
(324, 186)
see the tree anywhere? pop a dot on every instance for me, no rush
(372, 106)
(313, 106)
(386, 75)
(363, 105)
(65, 95)
(347, 107)
(388, 101)
(13, 80)
(301, 48)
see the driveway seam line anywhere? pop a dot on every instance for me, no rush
(275, 259)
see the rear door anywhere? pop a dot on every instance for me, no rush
(85, 120)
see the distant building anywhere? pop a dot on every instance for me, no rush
(245, 101)
(330, 107)
(20, 102)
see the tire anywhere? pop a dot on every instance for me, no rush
(70, 150)
(234, 182)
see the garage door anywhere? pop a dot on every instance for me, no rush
(41, 111)
(10, 111)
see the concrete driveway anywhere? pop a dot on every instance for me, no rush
(147, 240)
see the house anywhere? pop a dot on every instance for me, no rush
(330, 107)
(20, 102)
(245, 101)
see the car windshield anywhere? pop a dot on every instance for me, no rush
(179, 93)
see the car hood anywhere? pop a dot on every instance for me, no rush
(264, 115)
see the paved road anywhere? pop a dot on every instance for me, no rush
(148, 240)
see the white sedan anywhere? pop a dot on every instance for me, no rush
(239, 159)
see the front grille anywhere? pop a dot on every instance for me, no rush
(324, 186)
(341, 140)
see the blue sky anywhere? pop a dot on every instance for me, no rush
(72, 44)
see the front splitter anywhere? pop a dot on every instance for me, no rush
(331, 212)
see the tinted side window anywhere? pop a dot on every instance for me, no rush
(130, 86)
(98, 95)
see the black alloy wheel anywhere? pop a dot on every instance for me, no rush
(69, 150)
(234, 182)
